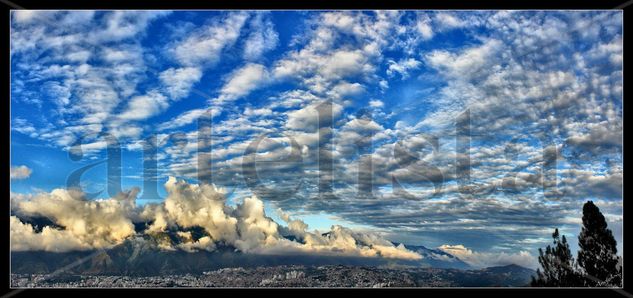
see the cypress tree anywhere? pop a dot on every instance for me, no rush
(598, 253)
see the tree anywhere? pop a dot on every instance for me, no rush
(598, 253)
(559, 268)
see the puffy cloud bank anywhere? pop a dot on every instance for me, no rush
(487, 259)
(82, 224)
(86, 224)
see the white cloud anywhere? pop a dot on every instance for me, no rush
(23, 237)
(424, 27)
(85, 65)
(88, 224)
(344, 63)
(376, 103)
(343, 89)
(125, 24)
(205, 45)
(262, 38)
(297, 227)
(448, 20)
(20, 172)
(402, 67)
(242, 81)
(307, 118)
(258, 112)
(469, 62)
(177, 82)
(318, 70)
(187, 118)
(22, 16)
(489, 259)
(120, 54)
(145, 106)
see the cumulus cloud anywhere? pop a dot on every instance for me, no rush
(20, 172)
(24, 237)
(84, 224)
(295, 226)
(91, 224)
(488, 259)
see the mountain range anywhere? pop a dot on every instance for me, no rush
(143, 256)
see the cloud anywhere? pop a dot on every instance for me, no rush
(188, 117)
(177, 82)
(344, 89)
(376, 103)
(145, 106)
(90, 224)
(424, 27)
(249, 229)
(84, 224)
(262, 38)
(328, 55)
(468, 63)
(505, 59)
(307, 119)
(24, 237)
(242, 81)
(489, 259)
(402, 67)
(447, 20)
(204, 45)
(24, 16)
(87, 64)
(20, 172)
(125, 24)
(296, 227)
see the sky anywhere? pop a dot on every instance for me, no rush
(478, 132)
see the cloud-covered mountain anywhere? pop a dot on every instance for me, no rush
(144, 256)
(192, 218)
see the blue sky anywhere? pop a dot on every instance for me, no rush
(543, 90)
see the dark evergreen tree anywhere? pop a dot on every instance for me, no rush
(559, 268)
(598, 253)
